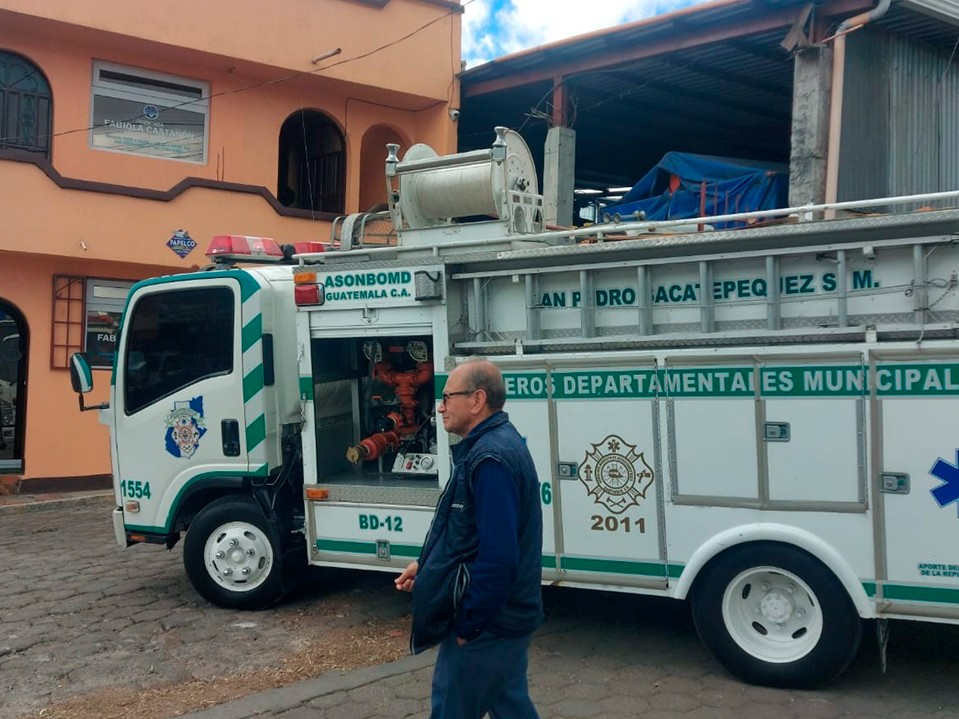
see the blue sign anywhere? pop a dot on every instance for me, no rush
(181, 243)
(151, 112)
(948, 491)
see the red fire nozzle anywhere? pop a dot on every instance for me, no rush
(373, 447)
(404, 424)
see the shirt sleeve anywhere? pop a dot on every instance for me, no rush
(494, 571)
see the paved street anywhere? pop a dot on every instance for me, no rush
(612, 656)
(81, 616)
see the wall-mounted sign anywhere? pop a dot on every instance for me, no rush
(148, 113)
(181, 243)
(126, 125)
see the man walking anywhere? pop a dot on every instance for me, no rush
(476, 586)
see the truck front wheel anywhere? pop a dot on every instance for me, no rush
(775, 615)
(231, 557)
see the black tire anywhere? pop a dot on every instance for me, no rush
(232, 557)
(775, 615)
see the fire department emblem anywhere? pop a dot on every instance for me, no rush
(185, 427)
(615, 474)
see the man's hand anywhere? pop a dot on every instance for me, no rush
(460, 641)
(405, 581)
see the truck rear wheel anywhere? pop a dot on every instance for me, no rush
(775, 615)
(231, 556)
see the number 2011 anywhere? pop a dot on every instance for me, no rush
(610, 523)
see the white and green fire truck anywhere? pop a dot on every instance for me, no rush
(761, 421)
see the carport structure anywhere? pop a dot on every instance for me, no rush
(752, 79)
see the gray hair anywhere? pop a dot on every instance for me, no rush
(483, 374)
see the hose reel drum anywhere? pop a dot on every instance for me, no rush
(427, 190)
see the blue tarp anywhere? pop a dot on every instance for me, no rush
(731, 186)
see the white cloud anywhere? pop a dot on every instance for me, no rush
(492, 28)
(478, 33)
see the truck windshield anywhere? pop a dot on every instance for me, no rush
(174, 340)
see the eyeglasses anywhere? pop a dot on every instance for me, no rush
(447, 395)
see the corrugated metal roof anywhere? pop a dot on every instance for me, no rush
(670, 25)
(715, 80)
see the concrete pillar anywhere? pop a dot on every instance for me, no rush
(812, 75)
(559, 174)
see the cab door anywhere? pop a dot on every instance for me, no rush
(180, 416)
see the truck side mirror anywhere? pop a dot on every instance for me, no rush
(80, 375)
(81, 378)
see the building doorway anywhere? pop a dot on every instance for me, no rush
(13, 397)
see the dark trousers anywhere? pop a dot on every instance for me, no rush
(487, 674)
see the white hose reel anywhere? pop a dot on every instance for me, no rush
(499, 183)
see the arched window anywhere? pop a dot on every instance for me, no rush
(25, 103)
(312, 164)
(373, 164)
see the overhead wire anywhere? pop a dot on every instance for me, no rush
(308, 169)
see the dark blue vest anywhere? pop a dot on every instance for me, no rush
(452, 543)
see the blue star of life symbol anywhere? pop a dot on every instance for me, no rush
(948, 491)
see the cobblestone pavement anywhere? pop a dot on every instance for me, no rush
(80, 614)
(614, 656)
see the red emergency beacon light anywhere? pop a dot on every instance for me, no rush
(243, 248)
(302, 248)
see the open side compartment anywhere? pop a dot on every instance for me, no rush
(375, 411)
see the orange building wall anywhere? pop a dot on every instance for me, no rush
(60, 440)
(402, 93)
(283, 34)
(244, 123)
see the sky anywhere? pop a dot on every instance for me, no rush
(492, 28)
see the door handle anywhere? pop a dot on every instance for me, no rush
(894, 483)
(230, 431)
